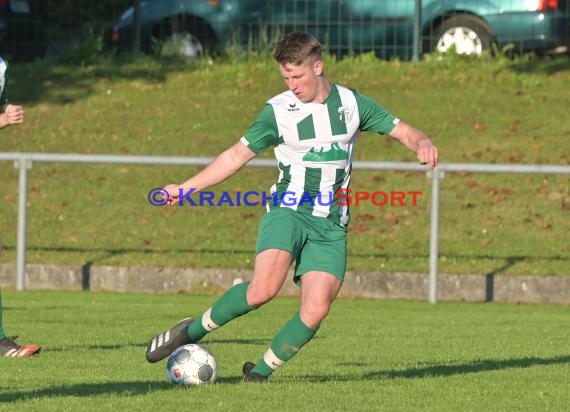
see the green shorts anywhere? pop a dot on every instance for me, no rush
(316, 243)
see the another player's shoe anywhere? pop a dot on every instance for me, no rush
(249, 376)
(11, 349)
(163, 344)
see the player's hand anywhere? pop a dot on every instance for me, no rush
(14, 114)
(173, 193)
(428, 153)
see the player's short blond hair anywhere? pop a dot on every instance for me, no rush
(295, 48)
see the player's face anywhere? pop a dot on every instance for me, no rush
(303, 80)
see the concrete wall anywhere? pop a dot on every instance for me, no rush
(374, 285)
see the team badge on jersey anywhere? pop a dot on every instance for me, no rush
(344, 114)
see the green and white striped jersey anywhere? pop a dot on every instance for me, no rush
(314, 147)
(3, 82)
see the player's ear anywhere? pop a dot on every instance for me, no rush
(318, 67)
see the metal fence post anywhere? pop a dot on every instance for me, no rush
(23, 164)
(137, 26)
(435, 175)
(417, 31)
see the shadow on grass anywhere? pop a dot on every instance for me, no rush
(240, 341)
(485, 365)
(113, 347)
(545, 65)
(89, 389)
(39, 82)
(96, 347)
(137, 388)
(122, 389)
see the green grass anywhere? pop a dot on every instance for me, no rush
(496, 111)
(368, 355)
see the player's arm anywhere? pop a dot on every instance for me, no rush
(222, 167)
(11, 114)
(417, 141)
(376, 119)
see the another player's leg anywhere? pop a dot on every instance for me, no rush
(9, 348)
(319, 289)
(270, 272)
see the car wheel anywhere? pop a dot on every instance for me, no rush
(465, 34)
(187, 37)
(184, 44)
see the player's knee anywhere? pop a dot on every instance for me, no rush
(257, 296)
(313, 315)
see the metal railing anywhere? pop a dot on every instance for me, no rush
(24, 161)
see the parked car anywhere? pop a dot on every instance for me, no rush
(383, 26)
(22, 33)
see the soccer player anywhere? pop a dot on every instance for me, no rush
(313, 128)
(10, 115)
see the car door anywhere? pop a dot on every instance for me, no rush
(344, 26)
(382, 26)
(318, 17)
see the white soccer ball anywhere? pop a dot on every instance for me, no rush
(191, 364)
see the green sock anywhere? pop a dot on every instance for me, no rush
(2, 334)
(229, 306)
(288, 341)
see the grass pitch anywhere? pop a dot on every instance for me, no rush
(368, 355)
